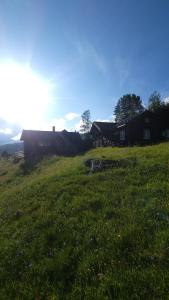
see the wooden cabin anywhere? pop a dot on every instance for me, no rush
(139, 130)
(146, 128)
(102, 133)
(38, 144)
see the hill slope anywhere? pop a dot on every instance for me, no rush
(65, 234)
(11, 148)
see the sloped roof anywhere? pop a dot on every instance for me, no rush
(57, 142)
(49, 135)
(138, 116)
(105, 128)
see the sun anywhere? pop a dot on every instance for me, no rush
(24, 96)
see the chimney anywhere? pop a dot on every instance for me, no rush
(53, 128)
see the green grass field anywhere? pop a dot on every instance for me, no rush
(65, 234)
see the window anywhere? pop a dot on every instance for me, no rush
(44, 144)
(146, 134)
(147, 120)
(163, 133)
(122, 135)
(167, 133)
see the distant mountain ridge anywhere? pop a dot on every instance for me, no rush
(11, 148)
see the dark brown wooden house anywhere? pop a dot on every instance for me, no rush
(102, 133)
(138, 130)
(146, 128)
(37, 144)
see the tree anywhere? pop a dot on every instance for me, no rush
(5, 154)
(128, 107)
(155, 102)
(86, 122)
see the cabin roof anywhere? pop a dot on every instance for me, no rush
(145, 113)
(48, 135)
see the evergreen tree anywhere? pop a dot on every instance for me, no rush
(128, 107)
(155, 102)
(86, 121)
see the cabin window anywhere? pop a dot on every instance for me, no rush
(147, 120)
(122, 135)
(146, 134)
(44, 144)
(165, 133)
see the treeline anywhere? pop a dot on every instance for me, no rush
(127, 107)
(131, 105)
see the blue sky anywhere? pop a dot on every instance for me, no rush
(93, 51)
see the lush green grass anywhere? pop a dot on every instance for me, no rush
(67, 235)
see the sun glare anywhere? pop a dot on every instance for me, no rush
(24, 96)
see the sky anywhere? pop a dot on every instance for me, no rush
(85, 53)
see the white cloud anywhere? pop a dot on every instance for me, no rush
(17, 137)
(78, 125)
(59, 123)
(71, 116)
(104, 120)
(112, 118)
(166, 99)
(87, 51)
(6, 131)
(63, 122)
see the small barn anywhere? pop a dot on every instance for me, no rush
(102, 133)
(38, 144)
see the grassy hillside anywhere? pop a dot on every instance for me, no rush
(65, 234)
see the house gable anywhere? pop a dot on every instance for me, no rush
(102, 133)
